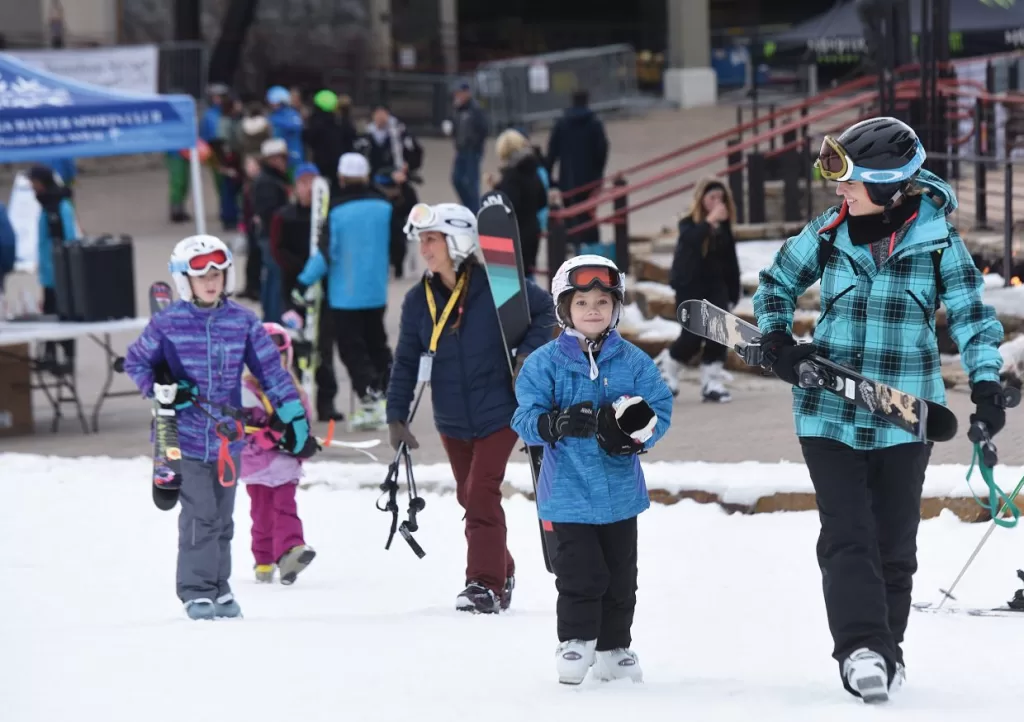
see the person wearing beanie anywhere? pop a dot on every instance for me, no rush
(328, 135)
(354, 256)
(290, 229)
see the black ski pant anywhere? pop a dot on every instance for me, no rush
(688, 345)
(869, 504)
(595, 575)
(363, 347)
(324, 378)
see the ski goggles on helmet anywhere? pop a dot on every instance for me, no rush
(835, 164)
(421, 217)
(584, 278)
(202, 263)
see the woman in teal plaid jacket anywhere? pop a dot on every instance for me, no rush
(885, 257)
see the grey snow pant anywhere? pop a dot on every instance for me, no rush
(205, 530)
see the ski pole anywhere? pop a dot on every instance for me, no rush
(985, 453)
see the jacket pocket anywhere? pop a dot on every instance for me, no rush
(920, 304)
(832, 302)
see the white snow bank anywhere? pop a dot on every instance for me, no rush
(1013, 356)
(740, 483)
(648, 329)
(654, 289)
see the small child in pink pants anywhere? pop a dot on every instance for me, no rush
(272, 478)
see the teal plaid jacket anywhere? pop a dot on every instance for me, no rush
(880, 321)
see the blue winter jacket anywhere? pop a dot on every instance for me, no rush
(8, 244)
(880, 321)
(210, 347)
(357, 251)
(287, 125)
(470, 382)
(209, 123)
(579, 482)
(66, 212)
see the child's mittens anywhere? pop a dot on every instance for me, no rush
(577, 421)
(623, 427)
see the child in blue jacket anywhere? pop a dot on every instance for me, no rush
(595, 401)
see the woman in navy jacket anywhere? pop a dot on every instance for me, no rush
(463, 356)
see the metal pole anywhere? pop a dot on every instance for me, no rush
(1008, 222)
(197, 192)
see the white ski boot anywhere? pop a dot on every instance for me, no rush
(712, 383)
(669, 369)
(898, 679)
(573, 660)
(866, 672)
(618, 664)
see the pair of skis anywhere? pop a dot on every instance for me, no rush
(305, 341)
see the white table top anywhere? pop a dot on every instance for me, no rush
(13, 333)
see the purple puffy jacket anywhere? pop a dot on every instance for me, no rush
(210, 347)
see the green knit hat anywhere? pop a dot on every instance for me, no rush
(326, 100)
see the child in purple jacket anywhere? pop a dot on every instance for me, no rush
(203, 341)
(272, 477)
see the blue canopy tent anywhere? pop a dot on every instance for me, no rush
(45, 116)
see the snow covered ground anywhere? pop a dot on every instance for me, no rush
(730, 624)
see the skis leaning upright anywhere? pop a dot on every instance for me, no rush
(305, 345)
(503, 261)
(166, 452)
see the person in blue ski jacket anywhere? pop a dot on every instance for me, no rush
(57, 226)
(200, 346)
(450, 318)
(287, 124)
(8, 245)
(595, 401)
(354, 254)
(885, 257)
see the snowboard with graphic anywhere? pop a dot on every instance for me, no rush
(166, 452)
(926, 420)
(502, 254)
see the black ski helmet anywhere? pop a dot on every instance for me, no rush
(884, 153)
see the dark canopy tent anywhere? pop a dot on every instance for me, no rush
(977, 29)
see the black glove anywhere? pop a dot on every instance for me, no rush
(578, 421)
(990, 406)
(399, 432)
(610, 435)
(783, 354)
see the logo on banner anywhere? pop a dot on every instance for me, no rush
(22, 92)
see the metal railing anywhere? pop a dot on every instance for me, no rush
(538, 88)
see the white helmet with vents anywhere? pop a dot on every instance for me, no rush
(457, 223)
(582, 273)
(195, 256)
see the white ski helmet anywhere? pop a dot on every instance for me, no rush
(457, 223)
(585, 272)
(195, 256)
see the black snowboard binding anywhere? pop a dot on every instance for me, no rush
(1017, 603)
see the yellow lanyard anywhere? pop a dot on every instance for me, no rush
(435, 335)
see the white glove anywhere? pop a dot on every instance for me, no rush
(635, 417)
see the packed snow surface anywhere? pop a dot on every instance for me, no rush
(729, 625)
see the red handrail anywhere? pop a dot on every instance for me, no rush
(752, 124)
(906, 90)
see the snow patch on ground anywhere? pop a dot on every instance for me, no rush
(729, 625)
